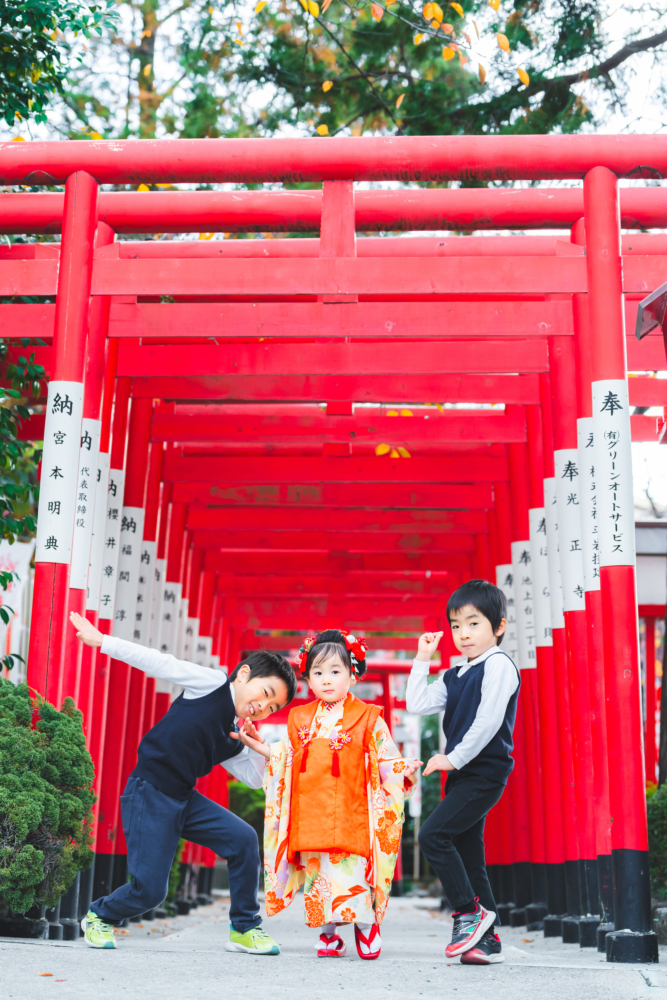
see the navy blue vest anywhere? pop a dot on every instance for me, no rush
(464, 694)
(188, 742)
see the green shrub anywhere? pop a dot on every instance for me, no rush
(249, 804)
(657, 839)
(46, 799)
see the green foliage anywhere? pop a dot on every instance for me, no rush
(174, 877)
(34, 62)
(46, 799)
(248, 803)
(657, 839)
(18, 459)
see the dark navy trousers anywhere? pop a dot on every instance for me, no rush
(153, 824)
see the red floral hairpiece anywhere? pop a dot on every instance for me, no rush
(306, 647)
(356, 646)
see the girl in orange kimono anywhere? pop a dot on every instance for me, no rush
(334, 802)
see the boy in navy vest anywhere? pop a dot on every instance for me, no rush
(160, 804)
(478, 698)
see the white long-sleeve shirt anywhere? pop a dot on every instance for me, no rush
(196, 681)
(499, 684)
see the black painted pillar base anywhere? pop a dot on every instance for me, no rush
(87, 878)
(572, 894)
(606, 889)
(494, 881)
(629, 946)
(503, 914)
(149, 915)
(555, 888)
(69, 911)
(553, 924)
(570, 929)
(522, 885)
(518, 916)
(102, 875)
(588, 931)
(601, 933)
(506, 884)
(535, 914)
(588, 886)
(55, 927)
(538, 882)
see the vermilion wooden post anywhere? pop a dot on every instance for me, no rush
(204, 612)
(147, 578)
(545, 676)
(650, 743)
(173, 587)
(62, 433)
(553, 927)
(633, 940)
(568, 503)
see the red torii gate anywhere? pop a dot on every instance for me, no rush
(512, 331)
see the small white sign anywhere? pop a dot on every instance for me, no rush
(537, 520)
(99, 532)
(523, 597)
(60, 464)
(129, 562)
(190, 640)
(588, 499)
(613, 465)
(182, 619)
(171, 606)
(505, 582)
(142, 615)
(111, 547)
(555, 583)
(566, 462)
(85, 503)
(203, 650)
(156, 605)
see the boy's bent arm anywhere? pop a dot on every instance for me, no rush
(247, 767)
(499, 684)
(422, 698)
(196, 681)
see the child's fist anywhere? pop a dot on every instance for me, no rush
(428, 643)
(85, 630)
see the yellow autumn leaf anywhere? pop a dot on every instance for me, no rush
(210, 10)
(436, 24)
(523, 76)
(437, 12)
(447, 28)
(481, 73)
(463, 59)
(503, 43)
(447, 53)
(95, 135)
(403, 452)
(417, 39)
(495, 4)
(458, 8)
(400, 101)
(327, 85)
(428, 11)
(382, 449)
(143, 187)
(392, 413)
(18, 138)
(394, 454)
(377, 11)
(314, 8)
(206, 236)
(476, 28)
(406, 413)
(239, 42)
(304, 4)
(258, 6)
(322, 130)
(326, 5)
(147, 69)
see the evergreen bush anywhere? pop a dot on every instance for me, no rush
(657, 839)
(46, 799)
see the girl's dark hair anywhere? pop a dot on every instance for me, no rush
(327, 644)
(485, 598)
(265, 663)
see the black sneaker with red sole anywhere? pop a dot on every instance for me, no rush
(487, 951)
(468, 929)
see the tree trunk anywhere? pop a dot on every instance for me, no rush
(149, 100)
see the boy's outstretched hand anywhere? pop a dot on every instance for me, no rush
(439, 762)
(85, 630)
(249, 735)
(428, 643)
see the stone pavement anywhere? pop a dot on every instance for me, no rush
(184, 958)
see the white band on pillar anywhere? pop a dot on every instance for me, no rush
(523, 599)
(156, 604)
(182, 620)
(540, 565)
(590, 536)
(505, 582)
(60, 464)
(566, 462)
(142, 615)
(111, 545)
(613, 464)
(171, 606)
(129, 562)
(555, 584)
(203, 650)
(85, 503)
(190, 640)
(97, 540)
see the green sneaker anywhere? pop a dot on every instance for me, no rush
(98, 933)
(254, 942)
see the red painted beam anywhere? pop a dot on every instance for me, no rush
(241, 471)
(311, 582)
(477, 495)
(291, 561)
(280, 519)
(439, 158)
(292, 211)
(270, 358)
(352, 541)
(358, 388)
(249, 640)
(351, 617)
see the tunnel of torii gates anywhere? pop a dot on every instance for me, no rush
(209, 471)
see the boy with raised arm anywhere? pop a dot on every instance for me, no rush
(478, 698)
(160, 804)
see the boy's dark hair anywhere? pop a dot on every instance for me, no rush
(264, 663)
(485, 597)
(327, 644)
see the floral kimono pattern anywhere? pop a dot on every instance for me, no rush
(338, 886)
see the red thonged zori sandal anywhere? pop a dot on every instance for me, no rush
(368, 947)
(331, 946)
